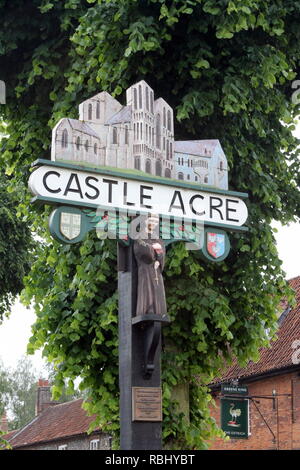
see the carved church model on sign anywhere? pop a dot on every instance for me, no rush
(138, 136)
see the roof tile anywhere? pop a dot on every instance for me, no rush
(279, 355)
(56, 422)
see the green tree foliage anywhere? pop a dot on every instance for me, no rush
(15, 243)
(226, 67)
(18, 392)
(5, 389)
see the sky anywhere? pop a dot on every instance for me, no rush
(16, 331)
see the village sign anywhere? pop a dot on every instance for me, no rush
(118, 164)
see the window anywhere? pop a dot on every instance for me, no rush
(137, 163)
(95, 149)
(169, 120)
(188, 177)
(171, 150)
(78, 143)
(158, 131)
(135, 98)
(140, 97)
(152, 102)
(168, 154)
(95, 444)
(115, 135)
(148, 166)
(62, 447)
(98, 110)
(158, 168)
(147, 99)
(86, 145)
(206, 179)
(167, 173)
(221, 165)
(126, 135)
(90, 112)
(180, 176)
(164, 117)
(64, 141)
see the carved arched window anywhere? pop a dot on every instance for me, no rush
(86, 145)
(98, 110)
(169, 120)
(158, 168)
(126, 135)
(158, 123)
(64, 140)
(90, 112)
(140, 97)
(137, 163)
(164, 117)
(78, 143)
(170, 150)
(147, 99)
(134, 98)
(180, 176)
(206, 179)
(95, 149)
(167, 173)
(115, 135)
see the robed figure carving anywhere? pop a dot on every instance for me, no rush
(150, 257)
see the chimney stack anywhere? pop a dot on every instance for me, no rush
(4, 423)
(43, 399)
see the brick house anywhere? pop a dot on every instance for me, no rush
(57, 426)
(274, 384)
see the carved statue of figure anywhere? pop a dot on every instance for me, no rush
(150, 253)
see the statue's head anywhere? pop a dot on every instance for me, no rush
(152, 224)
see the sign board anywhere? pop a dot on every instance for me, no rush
(62, 184)
(146, 404)
(228, 389)
(235, 417)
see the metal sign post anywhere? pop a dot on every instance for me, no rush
(139, 365)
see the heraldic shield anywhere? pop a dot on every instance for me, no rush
(70, 225)
(215, 244)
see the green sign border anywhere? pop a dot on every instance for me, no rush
(163, 181)
(204, 252)
(224, 425)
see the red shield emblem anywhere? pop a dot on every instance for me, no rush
(215, 244)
